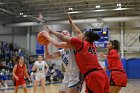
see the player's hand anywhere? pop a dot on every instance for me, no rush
(102, 55)
(45, 34)
(16, 77)
(29, 79)
(69, 18)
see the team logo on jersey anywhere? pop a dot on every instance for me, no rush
(64, 58)
(92, 50)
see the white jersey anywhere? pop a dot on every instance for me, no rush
(40, 66)
(69, 61)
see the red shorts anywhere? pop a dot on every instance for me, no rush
(97, 82)
(19, 82)
(118, 78)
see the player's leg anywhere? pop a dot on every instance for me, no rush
(62, 91)
(16, 89)
(117, 90)
(98, 82)
(37, 79)
(75, 82)
(107, 85)
(64, 85)
(17, 83)
(43, 82)
(24, 88)
(72, 90)
(35, 86)
(112, 89)
(118, 79)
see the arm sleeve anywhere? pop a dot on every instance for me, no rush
(113, 54)
(76, 42)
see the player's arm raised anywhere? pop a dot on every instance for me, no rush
(55, 42)
(59, 35)
(49, 56)
(76, 30)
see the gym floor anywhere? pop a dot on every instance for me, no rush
(133, 86)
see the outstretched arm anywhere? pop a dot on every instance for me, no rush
(76, 30)
(59, 35)
(74, 42)
(49, 56)
(55, 42)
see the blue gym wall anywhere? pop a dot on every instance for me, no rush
(131, 66)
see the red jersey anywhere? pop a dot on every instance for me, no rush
(20, 72)
(86, 56)
(114, 61)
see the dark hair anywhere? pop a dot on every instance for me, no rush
(116, 44)
(91, 36)
(17, 59)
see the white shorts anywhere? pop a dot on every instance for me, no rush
(72, 79)
(39, 76)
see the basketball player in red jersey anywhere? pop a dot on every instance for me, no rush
(118, 77)
(19, 71)
(86, 58)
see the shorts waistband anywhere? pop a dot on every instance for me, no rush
(92, 70)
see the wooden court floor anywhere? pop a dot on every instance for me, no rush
(53, 88)
(133, 86)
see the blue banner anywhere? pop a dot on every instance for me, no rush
(39, 48)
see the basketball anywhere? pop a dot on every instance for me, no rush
(41, 39)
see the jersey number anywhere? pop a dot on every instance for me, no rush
(92, 50)
(40, 69)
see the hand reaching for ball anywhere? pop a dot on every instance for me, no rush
(45, 34)
(70, 19)
(42, 37)
(49, 30)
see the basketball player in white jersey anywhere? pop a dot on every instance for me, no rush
(72, 81)
(41, 68)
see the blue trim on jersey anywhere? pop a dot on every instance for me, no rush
(78, 82)
(74, 84)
